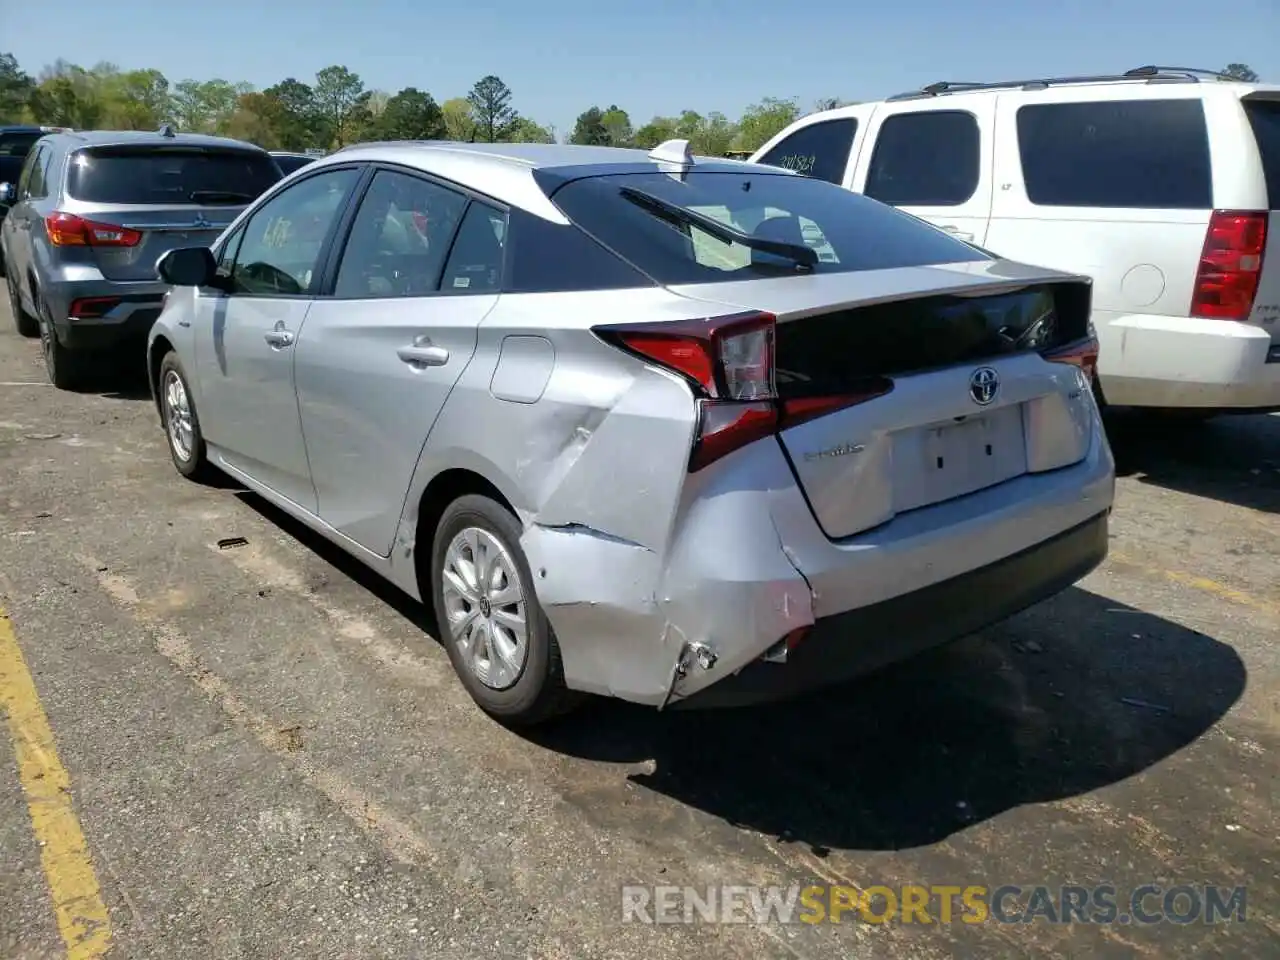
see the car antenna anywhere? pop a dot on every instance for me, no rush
(674, 157)
(166, 130)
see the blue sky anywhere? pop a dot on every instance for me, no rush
(561, 56)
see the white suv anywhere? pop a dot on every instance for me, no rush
(1163, 184)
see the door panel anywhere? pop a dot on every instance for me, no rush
(246, 336)
(932, 162)
(375, 366)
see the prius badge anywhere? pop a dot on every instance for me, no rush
(984, 385)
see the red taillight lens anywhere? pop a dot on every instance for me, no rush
(1082, 353)
(1230, 265)
(730, 362)
(89, 307)
(68, 230)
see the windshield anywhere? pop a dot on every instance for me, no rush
(170, 175)
(847, 231)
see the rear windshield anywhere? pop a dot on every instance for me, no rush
(17, 144)
(847, 231)
(1264, 117)
(290, 162)
(165, 175)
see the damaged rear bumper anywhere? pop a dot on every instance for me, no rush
(847, 645)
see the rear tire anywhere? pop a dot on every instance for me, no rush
(28, 326)
(181, 422)
(516, 679)
(65, 367)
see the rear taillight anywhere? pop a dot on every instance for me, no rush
(69, 230)
(1230, 265)
(87, 308)
(729, 362)
(1082, 353)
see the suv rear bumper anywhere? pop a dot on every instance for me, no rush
(1156, 361)
(128, 320)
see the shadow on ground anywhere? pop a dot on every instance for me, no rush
(118, 375)
(1234, 459)
(1075, 694)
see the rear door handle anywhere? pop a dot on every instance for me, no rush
(423, 354)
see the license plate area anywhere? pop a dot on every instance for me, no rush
(943, 460)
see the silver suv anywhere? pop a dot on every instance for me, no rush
(91, 214)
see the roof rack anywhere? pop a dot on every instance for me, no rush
(1148, 73)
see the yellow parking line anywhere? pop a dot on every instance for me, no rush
(77, 901)
(1204, 584)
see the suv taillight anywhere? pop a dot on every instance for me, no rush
(1230, 265)
(729, 362)
(69, 230)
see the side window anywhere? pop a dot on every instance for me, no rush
(227, 255)
(926, 159)
(24, 178)
(38, 185)
(819, 150)
(475, 262)
(1149, 154)
(284, 239)
(399, 239)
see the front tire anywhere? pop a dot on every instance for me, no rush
(181, 423)
(487, 614)
(28, 326)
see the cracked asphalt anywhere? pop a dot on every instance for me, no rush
(270, 757)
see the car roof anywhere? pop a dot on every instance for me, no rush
(120, 138)
(504, 171)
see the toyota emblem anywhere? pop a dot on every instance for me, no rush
(984, 385)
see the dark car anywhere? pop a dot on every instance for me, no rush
(289, 162)
(15, 143)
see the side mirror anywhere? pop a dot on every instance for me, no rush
(188, 267)
(6, 193)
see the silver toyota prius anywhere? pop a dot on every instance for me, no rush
(683, 431)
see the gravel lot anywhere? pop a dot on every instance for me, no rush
(269, 757)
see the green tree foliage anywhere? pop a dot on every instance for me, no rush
(336, 109)
(409, 115)
(1241, 71)
(491, 109)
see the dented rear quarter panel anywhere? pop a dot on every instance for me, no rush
(630, 559)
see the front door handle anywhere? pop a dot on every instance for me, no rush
(955, 231)
(279, 337)
(423, 353)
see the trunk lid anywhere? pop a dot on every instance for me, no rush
(973, 402)
(173, 196)
(1263, 110)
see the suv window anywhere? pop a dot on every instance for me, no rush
(926, 159)
(817, 150)
(171, 175)
(284, 239)
(848, 231)
(37, 183)
(18, 144)
(399, 238)
(1148, 154)
(1264, 117)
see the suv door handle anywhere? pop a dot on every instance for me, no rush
(423, 354)
(279, 337)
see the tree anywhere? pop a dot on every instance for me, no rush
(490, 101)
(589, 129)
(299, 125)
(1241, 71)
(656, 131)
(135, 100)
(15, 89)
(257, 118)
(67, 96)
(524, 130)
(409, 115)
(762, 120)
(828, 103)
(459, 120)
(618, 126)
(339, 96)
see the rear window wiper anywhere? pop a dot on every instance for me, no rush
(220, 196)
(801, 255)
